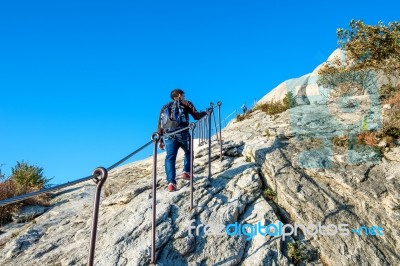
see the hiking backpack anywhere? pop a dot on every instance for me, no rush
(174, 117)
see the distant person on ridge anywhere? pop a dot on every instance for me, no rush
(244, 108)
(174, 116)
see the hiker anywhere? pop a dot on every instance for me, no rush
(174, 116)
(244, 108)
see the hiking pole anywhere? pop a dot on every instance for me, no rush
(192, 127)
(220, 134)
(155, 137)
(209, 112)
(99, 177)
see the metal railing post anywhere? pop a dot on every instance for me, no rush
(199, 129)
(204, 130)
(155, 137)
(209, 112)
(99, 177)
(215, 122)
(220, 129)
(192, 127)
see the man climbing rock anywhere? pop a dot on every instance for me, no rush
(173, 117)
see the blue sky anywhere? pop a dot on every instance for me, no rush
(82, 82)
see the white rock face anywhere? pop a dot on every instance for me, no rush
(233, 194)
(305, 88)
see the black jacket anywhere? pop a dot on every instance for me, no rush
(188, 108)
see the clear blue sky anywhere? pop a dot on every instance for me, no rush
(82, 82)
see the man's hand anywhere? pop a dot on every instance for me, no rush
(161, 145)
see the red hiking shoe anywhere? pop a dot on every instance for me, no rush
(186, 175)
(171, 187)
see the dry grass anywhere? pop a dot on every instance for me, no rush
(369, 138)
(272, 108)
(241, 117)
(7, 190)
(394, 100)
(24, 179)
(340, 141)
(391, 123)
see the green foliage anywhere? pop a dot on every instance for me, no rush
(273, 108)
(289, 101)
(28, 177)
(364, 124)
(269, 193)
(25, 178)
(372, 46)
(368, 49)
(296, 252)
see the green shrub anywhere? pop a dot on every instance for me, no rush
(369, 49)
(269, 194)
(272, 108)
(28, 177)
(372, 46)
(289, 101)
(296, 252)
(24, 178)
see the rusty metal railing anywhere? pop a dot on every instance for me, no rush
(155, 138)
(192, 127)
(203, 131)
(100, 175)
(208, 128)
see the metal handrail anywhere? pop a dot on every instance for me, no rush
(100, 175)
(203, 129)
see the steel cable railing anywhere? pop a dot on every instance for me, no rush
(99, 176)
(68, 184)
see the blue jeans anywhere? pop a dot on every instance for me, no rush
(172, 145)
